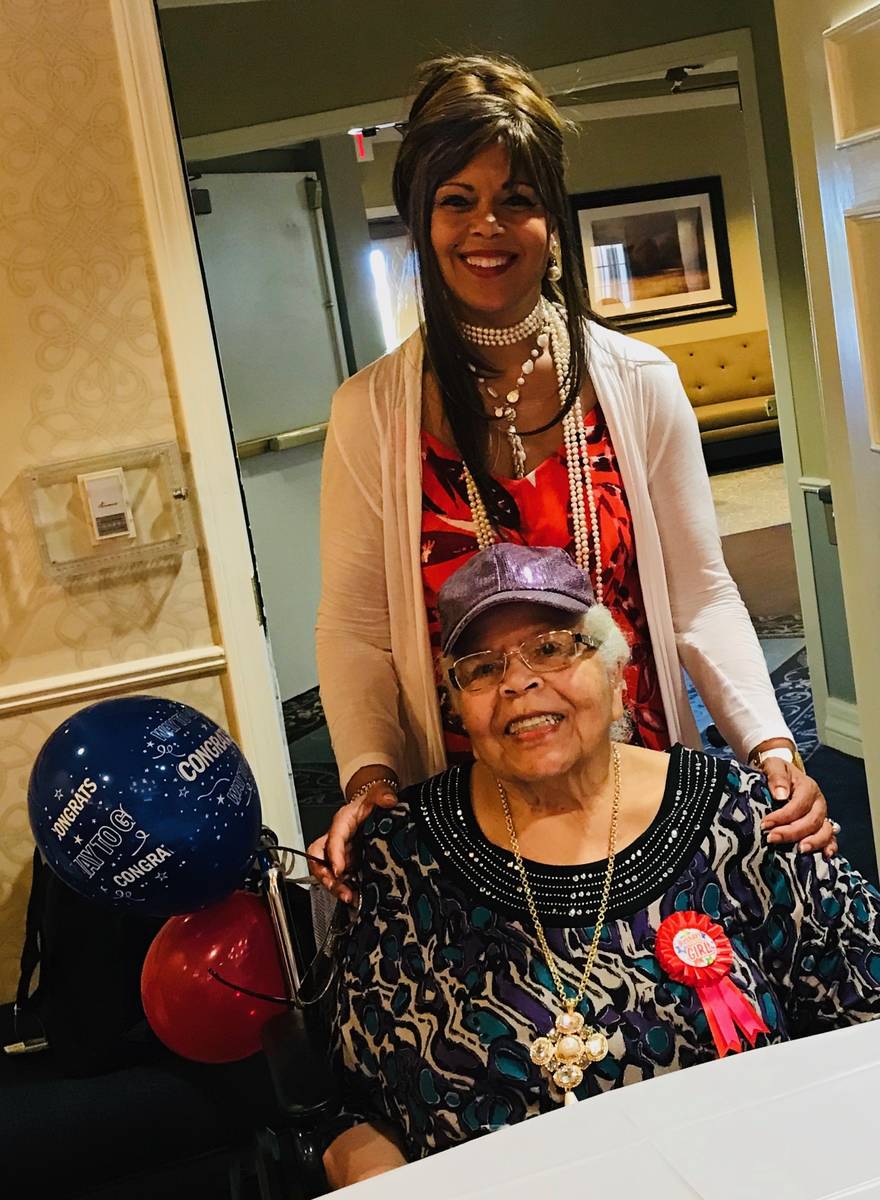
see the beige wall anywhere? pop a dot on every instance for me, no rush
(660, 147)
(655, 148)
(83, 373)
(376, 175)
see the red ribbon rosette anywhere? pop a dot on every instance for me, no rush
(693, 950)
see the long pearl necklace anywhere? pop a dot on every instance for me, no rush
(569, 1046)
(580, 480)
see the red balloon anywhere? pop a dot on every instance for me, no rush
(192, 1012)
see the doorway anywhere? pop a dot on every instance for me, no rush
(647, 71)
(263, 245)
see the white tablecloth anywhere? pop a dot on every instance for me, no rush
(800, 1121)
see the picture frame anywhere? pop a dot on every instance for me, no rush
(656, 254)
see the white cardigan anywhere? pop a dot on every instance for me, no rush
(374, 657)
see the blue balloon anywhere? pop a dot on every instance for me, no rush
(146, 804)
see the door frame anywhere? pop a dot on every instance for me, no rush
(835, 185)
(193, 373)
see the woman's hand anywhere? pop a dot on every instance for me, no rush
(803, 817)
(362, 1152)
(335, 847)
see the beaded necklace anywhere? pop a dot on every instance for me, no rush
(580, 482)
(508, 336)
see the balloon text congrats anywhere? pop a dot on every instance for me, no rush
(143, 802)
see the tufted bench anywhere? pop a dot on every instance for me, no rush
(729, 381)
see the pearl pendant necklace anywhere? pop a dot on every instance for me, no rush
(571, 1045)
(567, 1049)
(506, 408)
(584, 516)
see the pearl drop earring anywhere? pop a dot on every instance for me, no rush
(554, 267)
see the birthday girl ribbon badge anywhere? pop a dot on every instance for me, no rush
(693, 950)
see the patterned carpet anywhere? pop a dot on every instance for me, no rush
(302, 715)
(314, 770)
(791, 682)
(777, 627)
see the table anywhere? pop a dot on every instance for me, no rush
(797, 1121)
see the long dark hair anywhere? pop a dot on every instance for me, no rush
(464, 105)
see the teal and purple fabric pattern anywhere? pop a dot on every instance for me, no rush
(444, 986)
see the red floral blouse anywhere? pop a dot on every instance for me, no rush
(542, 497)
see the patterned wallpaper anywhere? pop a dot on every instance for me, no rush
(83, 373)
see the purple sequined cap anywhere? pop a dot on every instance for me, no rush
(506, 573)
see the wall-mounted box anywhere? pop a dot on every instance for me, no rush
(121, 512)
(106, 504)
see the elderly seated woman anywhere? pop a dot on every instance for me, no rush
(570, 913)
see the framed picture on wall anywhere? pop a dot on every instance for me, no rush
(656, 254)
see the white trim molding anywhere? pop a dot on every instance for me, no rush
(839, 726)
(843, 730)
(605, 110)
(157, 671)
(780, 351)
(289, 131)
(201, 3)
(835, 41)
(253, 703)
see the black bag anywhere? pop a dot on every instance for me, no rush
(87, 1003)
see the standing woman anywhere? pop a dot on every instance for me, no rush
(512, 414)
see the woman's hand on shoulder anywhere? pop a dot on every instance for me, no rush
(370, 787)
(803, 817)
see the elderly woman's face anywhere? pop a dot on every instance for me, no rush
(533, 726)
(490, 235)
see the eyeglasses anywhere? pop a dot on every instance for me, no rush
(543, 653)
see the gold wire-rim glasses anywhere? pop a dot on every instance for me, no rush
(501, 658)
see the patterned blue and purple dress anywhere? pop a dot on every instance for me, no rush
(444, 986)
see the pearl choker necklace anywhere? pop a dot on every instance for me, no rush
(509, 335)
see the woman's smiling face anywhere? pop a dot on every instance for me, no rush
(532, 726)
(490, 236)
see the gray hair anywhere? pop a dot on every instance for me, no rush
(613, 648)
(614, 652)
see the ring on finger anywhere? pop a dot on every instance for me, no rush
(835, 826)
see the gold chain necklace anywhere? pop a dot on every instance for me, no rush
(570, 1046)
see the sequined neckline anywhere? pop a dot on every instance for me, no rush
(569, 895)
